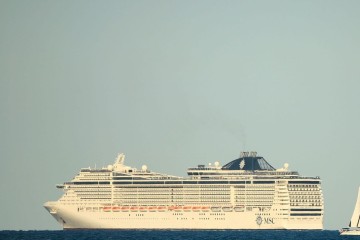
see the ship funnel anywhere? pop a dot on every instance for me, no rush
(244, 154)
(247, 154)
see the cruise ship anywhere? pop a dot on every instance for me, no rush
(246, 193)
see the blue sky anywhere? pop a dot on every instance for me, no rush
(173, 84)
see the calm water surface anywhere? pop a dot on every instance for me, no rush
(173, 235)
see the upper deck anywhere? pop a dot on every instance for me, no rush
(245, 168)
(248, 164)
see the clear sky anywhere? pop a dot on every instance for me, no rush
(173, 84)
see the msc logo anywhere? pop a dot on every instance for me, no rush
(259, 220)
(242, 164)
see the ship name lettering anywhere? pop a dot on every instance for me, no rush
(269, 220)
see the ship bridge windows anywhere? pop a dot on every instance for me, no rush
(124, 178)
(304, 182)
(149, 182)
(189, 182)
(173, 182)
(263, 182)
(87, 183)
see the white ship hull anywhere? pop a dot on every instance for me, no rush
(70, 218)
(351, 233)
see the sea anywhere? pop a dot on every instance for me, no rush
(174, 235)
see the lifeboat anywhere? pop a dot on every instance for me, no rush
(205, 209)
(239, 209)
(196, 208)
(152, 208)
(125, 208)
(187, 208)
(142, 209)
(161, 208)
(178, 208)
(266, 209)
(216, 209)
(134, 208)
(106, 209)
(227, 209)
(116, 209)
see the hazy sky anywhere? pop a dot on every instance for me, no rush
(173, 84)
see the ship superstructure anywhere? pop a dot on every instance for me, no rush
(246, 193)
